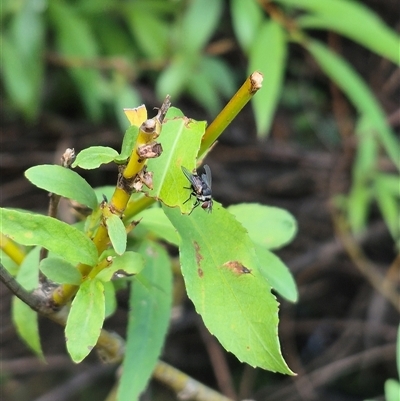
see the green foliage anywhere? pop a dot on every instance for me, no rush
(225, 255)
(85, 319)
(94, 157)
(23, 317)
(150, 308)
(63, 182)
(223, 279)
(56, 236)
(181, 143)
(268, 54)
(117, 233)
(60, 271)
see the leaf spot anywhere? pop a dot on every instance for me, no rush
(200, 272)
(237, 268)
(199, 257)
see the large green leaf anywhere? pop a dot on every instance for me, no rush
(150, 307)
(351, 19)
(24, 318)
(180, 139)
(223, 279)
(62, 181)
(268, 55)
(85, 319)
(54, 235)
(358, 92)
(268, 226)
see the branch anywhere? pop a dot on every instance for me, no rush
(31, 299)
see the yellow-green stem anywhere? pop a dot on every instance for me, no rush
(230, 111)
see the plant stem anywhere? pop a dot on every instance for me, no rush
(185, 386)
(11, 249)
(32, 300)
(250, 87)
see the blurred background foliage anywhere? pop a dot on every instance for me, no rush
(92, 58)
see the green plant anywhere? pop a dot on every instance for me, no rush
(225, 256)
(103, 58)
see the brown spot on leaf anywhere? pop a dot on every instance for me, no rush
(200, 272)
(237, 268)
(199, 257)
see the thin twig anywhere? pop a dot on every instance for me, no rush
(185, 387)
(33, 301)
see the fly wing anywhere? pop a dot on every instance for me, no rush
(194, 179)
(207, 178)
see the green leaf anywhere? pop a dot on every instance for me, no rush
(351, 19)
(392, 390)
(150, 308)
(247, 17)
(127, 144)
(174, 77)
(277, 274)
(129, 263)
(80, 43)
(389, 206)
(220, 75)
(203, 90)
(149, 30)
(54, 235)
(24, 318)
(358, 205)
(60, 271)
(26, 323)
(223, 279)
(358, 92)
(268, 54)
(85, 319)
(199, 23)
(110, 300)
(62, 181)
(365, 163)
(94, 157)
(23, 88)
(181, 139)
(117, 233)
(268, 226)
(156, 222)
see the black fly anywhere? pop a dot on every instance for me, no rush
(201, 188)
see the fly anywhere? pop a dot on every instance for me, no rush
(201, 188)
